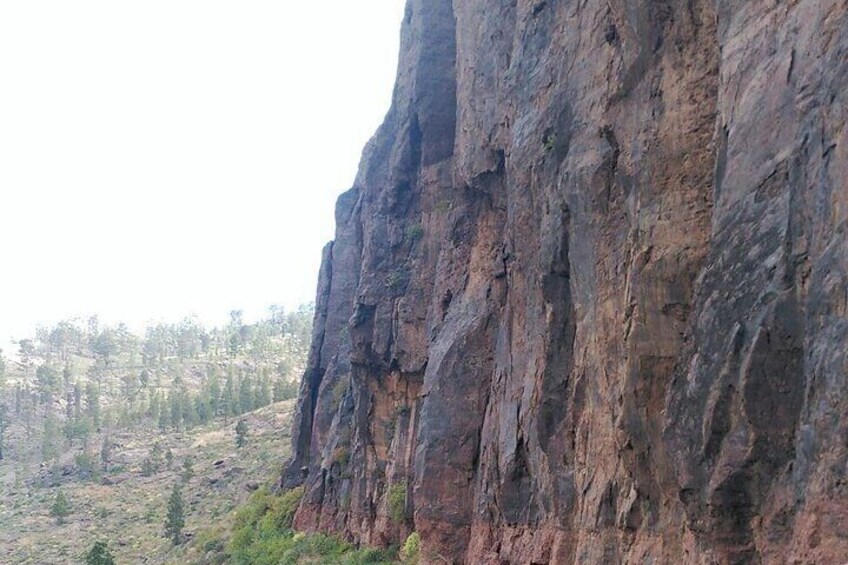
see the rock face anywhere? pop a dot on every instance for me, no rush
(588, 298)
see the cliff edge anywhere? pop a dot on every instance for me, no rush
(588, 297)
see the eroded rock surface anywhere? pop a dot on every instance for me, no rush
(588, 298)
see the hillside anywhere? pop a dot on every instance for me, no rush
(109, 419)
(81, 380)
(587, 300)
(127, 509)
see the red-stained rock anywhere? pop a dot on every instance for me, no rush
(588, 297)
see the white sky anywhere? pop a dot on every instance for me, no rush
(173, 157)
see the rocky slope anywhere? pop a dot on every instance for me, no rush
(588, 298)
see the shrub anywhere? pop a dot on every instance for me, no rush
(397, 502)
(414, 233)
(283, 508)
(397, 280)
(241, 433)
(262, 536)
(212, 543)
(341, 455)
(262, 525)
(549, 142)
(99, 554)
(85, 463)
(411, 549)
(338, 391)
(148, 468)
(61, 508)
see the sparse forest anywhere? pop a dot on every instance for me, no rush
(78, 383)
(87, 406)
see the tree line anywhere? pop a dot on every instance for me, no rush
(81, 379)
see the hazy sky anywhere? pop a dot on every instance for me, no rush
(170, 157)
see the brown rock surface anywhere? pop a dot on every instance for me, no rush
(588, 297)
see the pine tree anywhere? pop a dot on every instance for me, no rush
(19, 399)
(47, 380)
(188, 469)
(69, 409)
(154, 406)
(263, 392)
(85, 464)
(148, 468)
(156, 454)
(176, 410)
(50, 441)
(202, 407)
(66, 375)
(2, 369)
(214, 393)
(189, 414)
(106, 453)
(92, 403)
(176, 518)
(245, 399)
(228, 407)
(279, 390)
(241, 433)
(99, 554)
(4, 423)
(164, 419)
(77, 401)
(61, 508)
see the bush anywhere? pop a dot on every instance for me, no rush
(262, 535)
(397, 280)
(85, 463)
(341, 455)
(414, 233)
(338, 392)
(99, 554)
(549, 142)
(241, 433)
(61, 508)
(283, 508)
(397, 502)
(411, 549)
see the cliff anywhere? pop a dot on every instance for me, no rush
(588, 297)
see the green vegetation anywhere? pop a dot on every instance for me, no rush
(129, 510)
(549, 142)
(99, 554)
(61, 508)
(411, 549)
(262, 535)
(339, 390)
(414, 232)
(98, 423)
(241, 433)
(397, 502)
(4, 423)
(80, 381)
(188, 470)
(397, 280)
(107, 436)
(175, 521)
